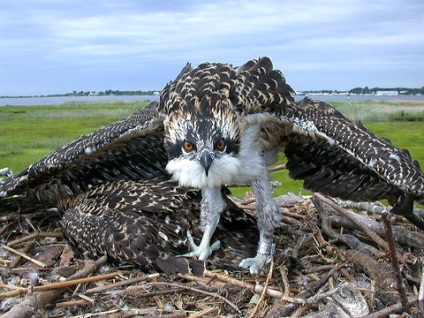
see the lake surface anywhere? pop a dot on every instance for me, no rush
(37, 101)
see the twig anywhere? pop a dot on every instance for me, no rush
(205, 282)
(277, 168)
(121, 283)
(19, 258)
(190, 289)
(202, 313)
(13, 293)
(155, 293)
(285, 280)
(118, 313)
(421, 292)
(352, 241)
(36, 301)
(375, 208)
(32, 226)
(391, 309)
(36, 262)
(34, 235)
(377, 271)
(76, 302)
(74, 282)
(395, 264)
(256, 288)
(268, 278)
(282, 310)
(247, 201)
(377, 239)
(402, 235)
(8, 225)
(13, 287)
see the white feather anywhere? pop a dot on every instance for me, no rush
(225, 170)
(394, 156)
(189, 172)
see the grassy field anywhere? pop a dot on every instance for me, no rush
(29, 133)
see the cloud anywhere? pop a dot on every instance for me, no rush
(94, 43)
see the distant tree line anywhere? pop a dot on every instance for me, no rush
(111, 92)
(374, 90)
(400, 90)
(356, 90)
(91, 93)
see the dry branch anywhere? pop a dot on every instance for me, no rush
(391, 309)
(283, 310)
(233, 281)
(122, 283)
(351, 216)
(319, 250)
(395, 264)
(36, 234)
(38, 300)
(190, 288)
(23, 255)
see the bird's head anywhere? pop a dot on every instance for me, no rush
(202, 139)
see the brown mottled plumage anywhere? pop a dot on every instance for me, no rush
(214, 125)
(144, 223)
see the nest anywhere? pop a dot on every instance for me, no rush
(332, 258)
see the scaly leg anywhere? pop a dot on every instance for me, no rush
(268, 219)
(211, 207)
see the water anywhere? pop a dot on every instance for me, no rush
(36, 101)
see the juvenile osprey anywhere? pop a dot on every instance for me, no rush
(217, 125)
(145, 222)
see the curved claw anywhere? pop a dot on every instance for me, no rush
(256, 263)
(201, 251)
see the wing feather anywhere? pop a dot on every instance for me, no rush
(130, 149)
(145, 223)
(338, 157)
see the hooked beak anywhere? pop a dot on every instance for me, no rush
(206, 159)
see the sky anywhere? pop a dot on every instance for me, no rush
(60, 46)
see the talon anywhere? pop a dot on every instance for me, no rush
(215, 246)
(256, 263)
(190, 239)
(201, 251)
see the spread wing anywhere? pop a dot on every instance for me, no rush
(145, 223)
(129, 149)
(332, 154)
(327, 150)
(341, 158)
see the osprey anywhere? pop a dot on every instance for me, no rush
(144, 223)
(216, 124)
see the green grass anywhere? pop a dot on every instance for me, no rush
(28, 133)
(382, 110)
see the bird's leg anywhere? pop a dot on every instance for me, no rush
(211, 207)
(268, 219)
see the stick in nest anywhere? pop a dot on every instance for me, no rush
(271, 270)
(191, 289)
(36, 262)
(36, 301)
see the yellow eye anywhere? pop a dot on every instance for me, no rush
(220, 145)
(188, 146)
